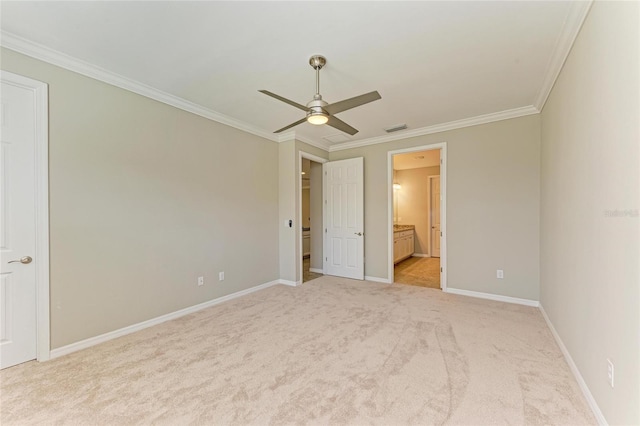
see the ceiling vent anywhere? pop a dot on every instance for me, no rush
(395, 128)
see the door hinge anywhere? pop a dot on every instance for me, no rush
(440, 269)
(441, 234)
(441, 161)
(325, 230)
(326, 259)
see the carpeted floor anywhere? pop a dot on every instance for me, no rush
(420, 271)
(332, 351)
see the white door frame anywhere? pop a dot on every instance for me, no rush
(41, 161)
(299, 257)
(443, 207)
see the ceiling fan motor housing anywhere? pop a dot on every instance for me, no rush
(316, 106)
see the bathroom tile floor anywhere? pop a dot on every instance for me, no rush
(418, 271)
(306, 274)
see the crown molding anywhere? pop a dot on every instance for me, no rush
(46, 54)
(571, 27)
(293, 135)
(443, 127)
(318, 144)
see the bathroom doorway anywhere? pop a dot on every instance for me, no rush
(417, 231)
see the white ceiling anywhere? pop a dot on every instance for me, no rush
(432, 62)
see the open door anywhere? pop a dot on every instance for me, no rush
(343, 184)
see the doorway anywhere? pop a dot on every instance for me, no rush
(310, 216)
(417, 239)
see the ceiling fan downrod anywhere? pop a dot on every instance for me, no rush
(317, 62)
(317, 114)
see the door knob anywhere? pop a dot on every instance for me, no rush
(359, 234)
(24, 260)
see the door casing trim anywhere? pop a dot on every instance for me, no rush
(442, 146)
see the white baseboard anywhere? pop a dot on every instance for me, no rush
(574, 369)
(378, 280)
(289, 283)
(420, 255)
(316, 270)
(92, 341)
(497, 297)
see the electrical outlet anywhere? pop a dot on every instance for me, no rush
(221, 276)
(610, 372)
(500, 274)
(200, 281)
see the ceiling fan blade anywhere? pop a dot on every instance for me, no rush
(292, 125)
(341, 125)
(285, 100)
(356, 101)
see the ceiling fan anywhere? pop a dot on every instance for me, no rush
(319, 111)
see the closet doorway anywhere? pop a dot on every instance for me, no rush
(310, 216)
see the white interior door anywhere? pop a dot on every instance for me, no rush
(435, 215)
(18, 332)
(344, 218)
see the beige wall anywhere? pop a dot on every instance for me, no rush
(306, 207)
(493, 179)
(144, 198)
(287, 201)
(590, 278)
(413, 203)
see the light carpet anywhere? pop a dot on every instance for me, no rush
(332, 351)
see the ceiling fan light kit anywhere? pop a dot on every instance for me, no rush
(320, 112)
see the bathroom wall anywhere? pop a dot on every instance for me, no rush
(413, 203)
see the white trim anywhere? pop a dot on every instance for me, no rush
(490, 296)
(293, 135)
(571, 27)
(92, 341)
(41, 163)
(312, 157)
(442, 146)
(377, 280)
(437, 128)
(43, 53)
(289, 283)
(316, 270)
(574, 369)
(315, 158)
(420, 255)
